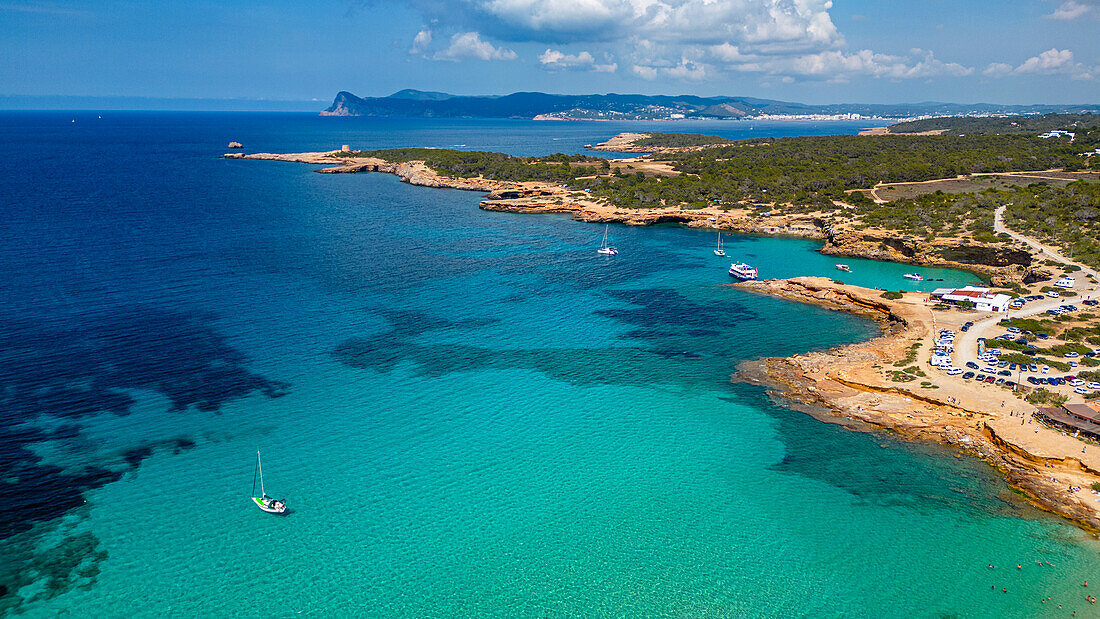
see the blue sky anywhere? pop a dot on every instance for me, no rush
(814, 51)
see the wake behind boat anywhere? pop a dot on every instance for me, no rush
(742, 271)
(264, 502)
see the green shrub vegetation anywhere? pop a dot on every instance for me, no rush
(497, 166)
(1084, 125)
(674, 140)
(1045, 396)
(1068, 217)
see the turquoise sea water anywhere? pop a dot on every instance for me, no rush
(469, 413)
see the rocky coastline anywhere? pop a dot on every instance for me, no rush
(851, 385)
(999, 265)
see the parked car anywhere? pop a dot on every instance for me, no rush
(990, 379)
(1046, 369)
(972, 365)
(1053, 294)
(1081, 390)
(1033, 380)
(1013, 329)
(1076, 382)
(1090, 303)
(954, 371)
(1042, 336)
(1012, 366)
(1071, 355)
(1004, 373)
(1093, 385)
(1033, 368)
(968, 375)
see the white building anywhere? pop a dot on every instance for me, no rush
(980, 297)
(1065, 282)
(1058, 133)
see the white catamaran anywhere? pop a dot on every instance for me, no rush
(605, 249)
(718, 250)
(264, 502)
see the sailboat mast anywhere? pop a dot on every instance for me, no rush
(260, 467)
(254, 473)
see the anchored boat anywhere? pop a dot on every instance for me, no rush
(917, 277)
(605, 249)
(742, 271)
(718, 251)
(264, 502)
(844, 267)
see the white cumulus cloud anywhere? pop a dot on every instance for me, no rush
(1073, 9)
(421, 41)
(555, 60)
(1054, 61)
(680, 39)
(468, 45)
(839, 65)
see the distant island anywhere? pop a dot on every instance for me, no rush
(543, 106)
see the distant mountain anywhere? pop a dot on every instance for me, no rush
(420, 95)
(646, 107)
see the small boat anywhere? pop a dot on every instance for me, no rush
(264, 502)
(844, 267)
(914, 276)
(742, 271)
(605, 249)
(719, 251)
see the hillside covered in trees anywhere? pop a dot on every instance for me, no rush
(813, 171)
(1002, 125)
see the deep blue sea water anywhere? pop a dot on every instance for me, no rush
(469, 413)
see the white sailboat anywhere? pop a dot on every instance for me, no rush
(719, 251)
(605, 249)
(264, 502)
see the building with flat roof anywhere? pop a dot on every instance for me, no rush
(982, 299)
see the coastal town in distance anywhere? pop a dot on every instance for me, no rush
(537, 308)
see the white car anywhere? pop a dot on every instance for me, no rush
(1094, 385)
(989, 370)
(1071, 355)
(954, 371)
(1081, 391)
(1053, 294)
(1077, 382)
(1013, 329)
(1046, 369)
